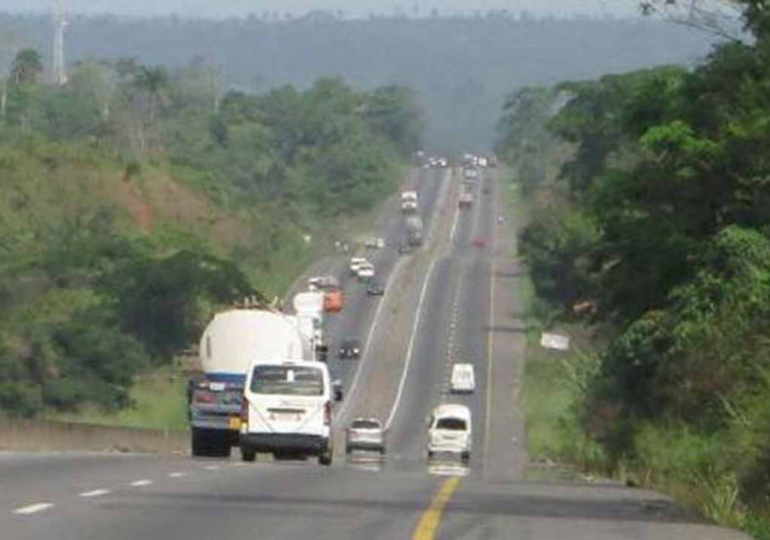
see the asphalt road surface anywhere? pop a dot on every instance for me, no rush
(453, 301)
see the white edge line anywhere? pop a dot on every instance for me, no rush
(33, 508)
(409, 350)
(491, 337)
(454, 225)
(94, 493)
(380, 306)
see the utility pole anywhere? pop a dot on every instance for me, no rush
(59, 72)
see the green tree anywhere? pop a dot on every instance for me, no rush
(27, 67)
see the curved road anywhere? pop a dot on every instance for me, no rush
(454, 300)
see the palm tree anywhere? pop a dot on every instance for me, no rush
(27, 67)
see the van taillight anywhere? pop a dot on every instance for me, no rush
(328, 413)
(203, 396)
(245, 409)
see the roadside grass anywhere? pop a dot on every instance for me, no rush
(159, 402)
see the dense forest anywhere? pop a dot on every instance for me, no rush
(655, 233)
(462, 68)
(137, 198)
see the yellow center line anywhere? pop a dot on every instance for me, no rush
(431, 519)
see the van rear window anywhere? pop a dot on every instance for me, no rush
(455, 424)
(287, 381)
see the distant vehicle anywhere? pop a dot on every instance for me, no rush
(309, 308)
(492, 161)
(466, 199)
(287, 409)
(333, 301)
(375, 243)
(414, 229)
(463, 379)
(409, 201)
(350, 348)
(365, 272)
(365, 434)
(471, 173)
(355, 264)
(478, 243)
(323, 282)
(450, 431)
(483, 163)
(229, 343)
(404, 249)
(375, 289)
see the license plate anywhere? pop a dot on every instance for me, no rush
(235, 423)
(286, 417)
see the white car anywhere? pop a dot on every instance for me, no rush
(365, 434)
(463, 379)
(355, 264)
(471, 173)
(287, 409)
(375, 243)
(366, 271)
(450, 431)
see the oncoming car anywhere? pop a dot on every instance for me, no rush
(350, 348)
(287, 410)
(450, 431)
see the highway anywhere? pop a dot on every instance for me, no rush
(452, 301)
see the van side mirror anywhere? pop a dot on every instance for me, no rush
(337, 390)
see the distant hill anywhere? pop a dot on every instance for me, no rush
(462, 67)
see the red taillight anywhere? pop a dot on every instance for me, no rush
(245, 409)
(328, 413)
(203, 396)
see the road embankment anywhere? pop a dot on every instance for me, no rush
(44, 435)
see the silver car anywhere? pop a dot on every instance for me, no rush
(365, 434)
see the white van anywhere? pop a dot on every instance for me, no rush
(450, 431)
(287, 409)
(463, 379)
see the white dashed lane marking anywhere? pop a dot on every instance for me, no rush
(94, 493)
(176, 474)
(212, 467)
(141, 483)
(33, 508)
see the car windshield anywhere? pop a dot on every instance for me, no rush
(287, 380)
(452, 424)
(365, 424)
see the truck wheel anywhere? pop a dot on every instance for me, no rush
(326, 457)
(201, 443)
(248, 455)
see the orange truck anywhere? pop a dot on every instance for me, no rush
(333, 301)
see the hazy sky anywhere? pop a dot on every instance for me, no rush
(357, 8)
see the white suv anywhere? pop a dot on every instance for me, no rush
(450, 431)
(287, 409)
